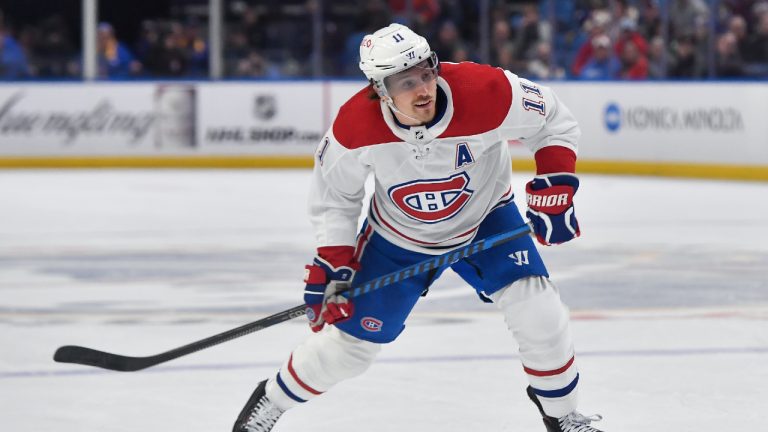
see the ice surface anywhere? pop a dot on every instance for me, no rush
(668, 288)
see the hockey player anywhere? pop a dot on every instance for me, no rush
(434, 136)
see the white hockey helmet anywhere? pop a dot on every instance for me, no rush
(390, 50)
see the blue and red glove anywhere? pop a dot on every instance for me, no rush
(550, 207)
(330, 272)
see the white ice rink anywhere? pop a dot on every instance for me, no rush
(668, 288)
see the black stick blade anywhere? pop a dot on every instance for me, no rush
(91, 357)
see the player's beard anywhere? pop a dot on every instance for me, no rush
(425, 114)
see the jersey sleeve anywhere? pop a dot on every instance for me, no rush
(538, 118)
(336, 192)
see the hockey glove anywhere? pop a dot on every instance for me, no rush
(550, 207)
(324, 280)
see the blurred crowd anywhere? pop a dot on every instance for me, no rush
(580, 39)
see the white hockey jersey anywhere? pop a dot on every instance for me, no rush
(433, 185)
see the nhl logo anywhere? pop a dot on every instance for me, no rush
(265, 107)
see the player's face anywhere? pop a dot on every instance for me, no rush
(414, 92)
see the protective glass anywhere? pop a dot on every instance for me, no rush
(413, 77)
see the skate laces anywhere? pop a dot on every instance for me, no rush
(576, 422)
(263, 416)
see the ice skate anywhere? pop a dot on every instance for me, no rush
(259, 413)
(573, 422)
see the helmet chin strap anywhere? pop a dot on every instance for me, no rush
(384, 95)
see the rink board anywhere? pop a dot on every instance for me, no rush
(714, 130)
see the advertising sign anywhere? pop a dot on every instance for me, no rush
(73, 118)
(640, 122)
(714, 123)
(262, 118)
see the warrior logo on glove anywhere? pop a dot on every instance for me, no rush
(550, 207)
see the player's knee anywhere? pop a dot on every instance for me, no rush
(356, 355)
(331, 356)
(532, 308)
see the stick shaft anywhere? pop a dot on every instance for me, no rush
(117, 362)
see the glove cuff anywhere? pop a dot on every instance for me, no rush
(555, 158)
(339, 256)
(330, 271)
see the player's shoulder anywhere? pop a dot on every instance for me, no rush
(477, 71)
(473, 81)
(482, 96)
(360, 123)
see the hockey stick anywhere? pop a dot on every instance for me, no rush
(117, 362)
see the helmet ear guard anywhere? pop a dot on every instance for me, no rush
(380, 91)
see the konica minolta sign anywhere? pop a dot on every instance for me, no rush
(618, 117)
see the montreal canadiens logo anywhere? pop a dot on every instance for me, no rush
(432, 201)
(371, 324)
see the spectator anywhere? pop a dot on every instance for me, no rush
(460, 54)
(114, 59)
(649, 24)
(13, 61)
(270, 39)
(372, 15)
(603, 64)
(461, 12)
(196, 47)
(149, 40)
(683, 63)
(737, 25)
(759, 9)
(757, 46)
(657, 59)
(167, 58)
(500, 37)
(701, 44)
(256, 66)
(447, 40)
(728, 61)
(685, 14)
(620, 11)
(530, 31)
(540, 67)
(596, 25)
(424, 12)
(253, 25)
(634, 65)
(506, 58)
(628, 33)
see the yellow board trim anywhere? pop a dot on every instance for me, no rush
(664, 169)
